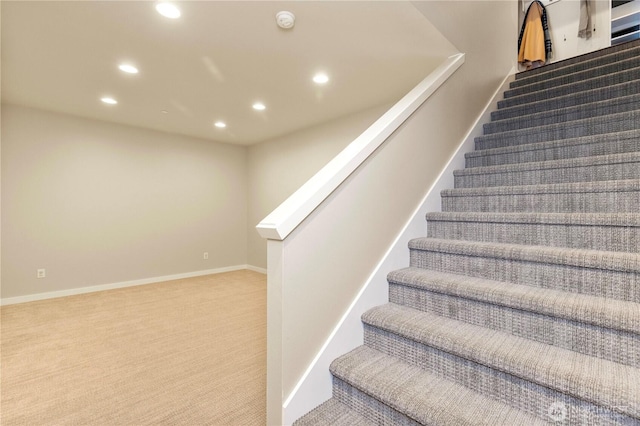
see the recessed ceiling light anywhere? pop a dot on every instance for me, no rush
(168, 10)
(129, 69)
(109, 101)
(259, 106)
(220, 124)
(320, 78)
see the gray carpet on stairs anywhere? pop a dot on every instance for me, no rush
(521, 304)
(510, 108)
(608, 143)
(599, 82)
(613, 57)
(594, 109)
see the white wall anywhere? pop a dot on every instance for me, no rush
(278, 167)
(96, 203)
(184, 196)
(564, 17)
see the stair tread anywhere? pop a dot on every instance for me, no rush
(627, 185)
(594, 108)
(599, 311)
(565, 163)
(568, 69)
(583, 140)
(595, 219)
(581, 75)
(581, 97)
(333, 412)
(422, 396)
(591, 259)
(572, 88)
(619, 232)
(601, 382)
(632, 116)
(576, 59)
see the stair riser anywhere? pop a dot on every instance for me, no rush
(590, 73)
(616, 106)
(595, 282)
(602, 202)
(505, 111)
(590, 237)
(368, 406)
(612, 345)
(522, 394)
(587, 173)
(575, 129)
(581, 66)
(596, 83)
(557, 151)
(578, 59)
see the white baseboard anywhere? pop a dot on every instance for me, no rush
(314, 387)
(256, 269)
(95, 288)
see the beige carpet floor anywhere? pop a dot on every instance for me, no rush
(185, 352)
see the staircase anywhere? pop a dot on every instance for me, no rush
(522, 304)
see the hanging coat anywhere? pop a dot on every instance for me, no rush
(587, 10)
(534, 43)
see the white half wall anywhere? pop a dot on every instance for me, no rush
(315, 385)
(280, 166)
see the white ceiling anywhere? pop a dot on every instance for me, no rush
(214, 62)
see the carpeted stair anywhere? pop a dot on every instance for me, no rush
(521, 306)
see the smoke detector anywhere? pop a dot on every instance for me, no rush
(285, 20)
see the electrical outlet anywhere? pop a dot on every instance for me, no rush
(41, 273)
(205, 255)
